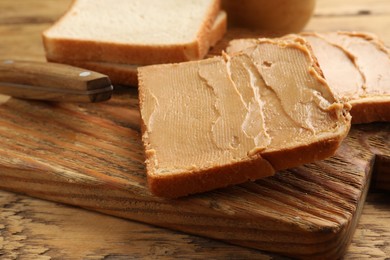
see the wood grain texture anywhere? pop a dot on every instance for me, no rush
(345, 8)
(381, 176)
(22, 42)
(91, 156)
(37, 229)
(371, 239)
(22, 24)
(349, 15)
(32, 11)
(309, 211)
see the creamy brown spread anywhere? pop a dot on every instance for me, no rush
(297, 100)
(203, 114)
(197, 116)
(370, 56)
(338, 67)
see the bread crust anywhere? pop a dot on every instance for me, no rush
(293, 157)
(368, 110)
(177, 185)
(61, 49)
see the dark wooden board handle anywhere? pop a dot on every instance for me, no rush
(381, 175)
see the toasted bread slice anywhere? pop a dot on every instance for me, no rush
(226, 120)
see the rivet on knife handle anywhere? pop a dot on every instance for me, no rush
(52, 81)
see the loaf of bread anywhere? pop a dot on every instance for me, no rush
(356, 67)
(229, 119)
(126, 74)
(132, 32)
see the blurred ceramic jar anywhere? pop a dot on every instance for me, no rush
(275, 16)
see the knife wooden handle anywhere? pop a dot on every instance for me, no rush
(52, 81)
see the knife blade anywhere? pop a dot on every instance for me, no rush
(52, 82)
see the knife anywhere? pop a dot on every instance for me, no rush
(52, 82)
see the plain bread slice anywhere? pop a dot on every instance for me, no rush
(132, 31)
(126, 74)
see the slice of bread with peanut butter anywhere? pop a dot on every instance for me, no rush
(356, 67)
(226, 120)
(371, 100)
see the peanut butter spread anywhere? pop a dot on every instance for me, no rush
(338, 67)
(370, 56)
(195, 115)
(223, 110)
(298, 104)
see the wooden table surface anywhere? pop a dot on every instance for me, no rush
(35, 229)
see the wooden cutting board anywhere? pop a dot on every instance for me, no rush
(90, 155)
